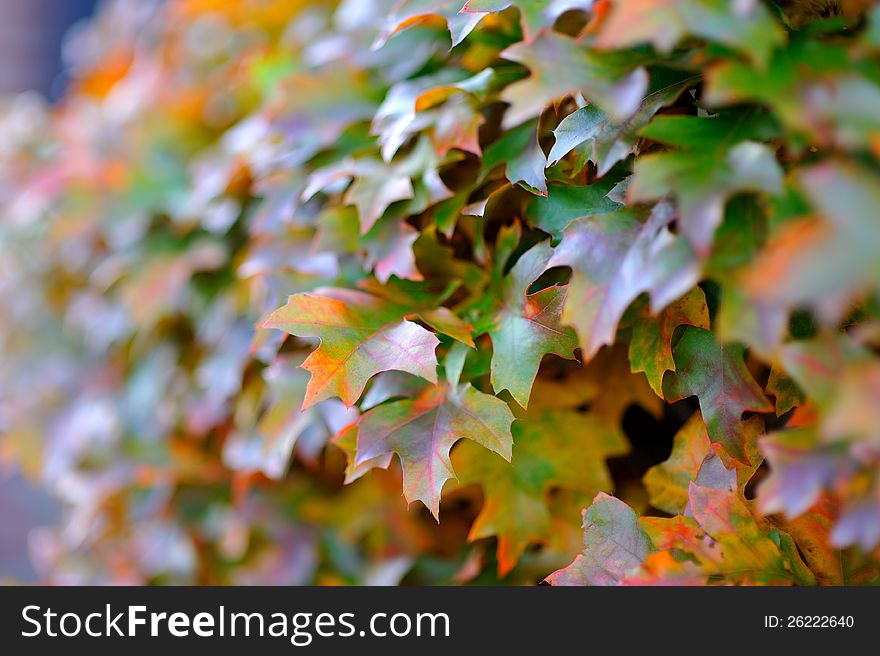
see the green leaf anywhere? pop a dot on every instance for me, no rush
(527, 326)
(745, 547)
(872, 33)
(520, 153)
(561, 66)
(718, 377)
(714, 162)
(784, 390)
(816, 88)
(609, 141)
(422, 430)
(567, 202)
(552, 449)
(614, 258)
(650, 347)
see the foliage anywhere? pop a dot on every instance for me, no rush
(271, 263)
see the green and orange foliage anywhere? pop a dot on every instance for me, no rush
(435, 291)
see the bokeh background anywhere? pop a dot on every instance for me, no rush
(212, 158)
(32, 60)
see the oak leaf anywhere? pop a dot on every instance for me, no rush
(715, 160)
(718, 377)
(561, 66)
(360, 335)
(551, 449)
(527, 326)
(422, 430)
(650, 346)
(614, 258)
(745, 26)
(615, 545)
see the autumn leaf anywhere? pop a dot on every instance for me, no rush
(732, 476)
(376, 184)
(535, 15)
(422, 430)
(611, 388)
(443, 105)
(527, 326)
(615, 546)
(317, 106)
(784, 390)
(265, 442)
(570, 392)
(456, 124)
(799, 471)
(561, 66)
(841, 377)
(681, 193)
(408, 12)
(614, 258)
(718, 377)
(752, 321)
(157, 285)
(693, 460)
(667, 483)
(824, 263)
(388, 249)
(723, 538)
(745, 549)
(715, 160)
(650, 347)
(396, 120)
(360, 336)
(552, 449)
(811, 532)
(746, 26)
(608, 140)
(346, 440)
(421, 299)
(663, 568)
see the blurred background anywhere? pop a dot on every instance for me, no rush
(32, 36)
(171, 170)
(31, 43)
